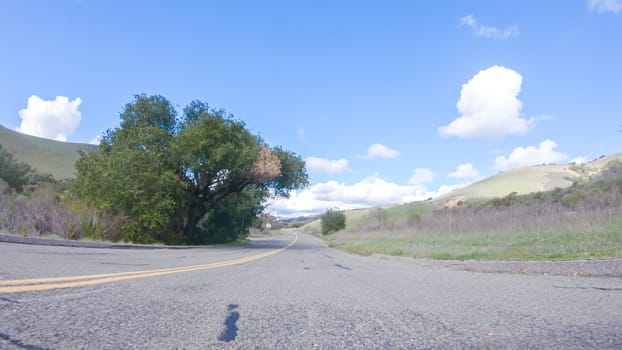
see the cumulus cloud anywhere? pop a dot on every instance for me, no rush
(602, 6)
(465, 171)
(422, 176)
(378, 150)
(369, 192)
(323, 165)
(95, 140)
(480, 30)
(53, 119)
(543, 154)
(489, 106)
(579, 160)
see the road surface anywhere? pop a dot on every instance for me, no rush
(289, 292)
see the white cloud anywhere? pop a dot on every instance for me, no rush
(579, 160)
(465, 171)
(95, 140)
(369, 192)
(50, 119)
(421, 176)
(602, 6)
(323, 165)
(378, 150)
(544, 117)
(489, 106)
(544, 154)
(480, 30)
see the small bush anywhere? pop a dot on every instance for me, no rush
(333, 220)
(377, 219)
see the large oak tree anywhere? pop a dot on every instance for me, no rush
(184, 179)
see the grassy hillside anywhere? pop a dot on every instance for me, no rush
(581, 221)
(523, 181)
(561, 212)
(362, 219)
(528, 180)
(46, 156)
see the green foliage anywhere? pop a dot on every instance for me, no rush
(15, 174)
(131, 174)
(232, 217)
(194, 179)
(332, 221)
(293, 172)
(506, 201)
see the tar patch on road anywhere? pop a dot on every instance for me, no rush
(122, 264)
(18, 343)
(343, 267)
(231, 329)
(597, 288)
(9, 300)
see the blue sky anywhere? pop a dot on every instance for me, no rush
(390, 101)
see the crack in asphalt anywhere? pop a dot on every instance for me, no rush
(231, 329)
(20, 344)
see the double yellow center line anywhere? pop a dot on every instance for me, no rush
(39, 284)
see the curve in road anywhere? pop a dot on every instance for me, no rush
(47, 283)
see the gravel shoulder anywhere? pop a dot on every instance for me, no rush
(611, 267)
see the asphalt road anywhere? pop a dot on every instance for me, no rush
(307, 296)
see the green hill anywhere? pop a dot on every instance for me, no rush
(527, 180)
(46, 156)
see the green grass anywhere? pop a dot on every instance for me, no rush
(599, 242)
(46, 156)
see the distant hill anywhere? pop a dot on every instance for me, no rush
(46, 156)
(527, 180)
(522, 181)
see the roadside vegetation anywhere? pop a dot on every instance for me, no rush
(198, 178)
(582, 221)
(332, 221)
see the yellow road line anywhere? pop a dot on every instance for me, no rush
(38, 284)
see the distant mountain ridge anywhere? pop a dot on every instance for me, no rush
(44, 155)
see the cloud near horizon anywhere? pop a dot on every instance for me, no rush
(378, 150)
(465, 171)
(489, 106)
(579, 160)
(54, 119)
(602, 6)
(421, 176)
(369, 192)
(526, 156)
(480, 30)
(324, 165)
